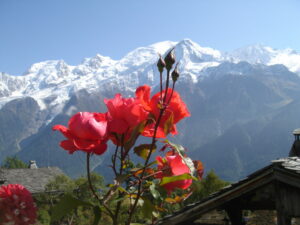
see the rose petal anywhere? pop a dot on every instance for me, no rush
(68, 145)
(84, 144)
(64, 130)
(182, 184)
(177, 165)
(118, 126)
(84, 125)
(100, 149)
(143, 94)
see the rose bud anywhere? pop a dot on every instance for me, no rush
(175, 74)
(170, 59)
(161, 64)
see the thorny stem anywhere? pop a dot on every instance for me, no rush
(145, 166)
(151, 147)
(167, 84)
(123, 156)
(92, 188)
(161, 85)
(114, 160)
(173, 87)
(146, 177)
(89, 176)
(114, 188)
(140, 191)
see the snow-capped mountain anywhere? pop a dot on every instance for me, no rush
(235, 98)
(259, 54)
(57, 78)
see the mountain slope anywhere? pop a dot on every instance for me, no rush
(243, 108)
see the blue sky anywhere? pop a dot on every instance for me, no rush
(38, 30)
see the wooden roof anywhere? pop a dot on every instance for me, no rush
(257, 191)
(34, 180)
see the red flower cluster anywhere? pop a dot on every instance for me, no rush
(89, 132)
(175, 110)
(16, 205)
(173, 165)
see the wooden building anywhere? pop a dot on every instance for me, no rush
(275, 187)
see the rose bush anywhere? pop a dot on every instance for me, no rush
(16, 205)
(136, 185)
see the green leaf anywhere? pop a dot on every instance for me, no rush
(166, 180)
(143, 150)
(119, 199)
(155, 214)
(176, 147)
(153, 191)
(180, 150)
(133, 170)
(121, 178)
(121, 189)
(163, 192)
(140, 202)
(134, 135)
(147, 208)
(168, 124)
(97, 213)
(152, 163)
(65, 206)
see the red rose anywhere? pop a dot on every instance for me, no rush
(124, 114)
(173, 165)
(16, 205)
(87, 132)
(175, 111)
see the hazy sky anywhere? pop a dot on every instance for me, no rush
(38, 30)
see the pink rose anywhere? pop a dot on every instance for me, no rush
(86, 132)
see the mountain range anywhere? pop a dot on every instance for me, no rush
(244, 104)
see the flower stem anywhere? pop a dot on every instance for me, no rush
(161, 85)
(173, 87)
(114, 160)
(167, 85)
(161, 112)
(92, 188)
(88, 155)
(122, 157)
(132, 209)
